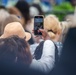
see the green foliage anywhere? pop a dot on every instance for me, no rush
(62, 10)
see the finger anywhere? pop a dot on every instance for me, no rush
(41, 30)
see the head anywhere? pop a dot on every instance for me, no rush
(35, 9)
(15, 28)
(52, 25)
(16, 12)
(3, 14)
(23, 7)
(14, 49)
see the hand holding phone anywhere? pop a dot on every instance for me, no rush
(45, 34)
(38, 24)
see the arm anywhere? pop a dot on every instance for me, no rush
(46, 63)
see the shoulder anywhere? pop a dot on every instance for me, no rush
(48, 46)
(49, 42)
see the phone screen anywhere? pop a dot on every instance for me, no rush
(38, 24)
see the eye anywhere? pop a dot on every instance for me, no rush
(19, 17)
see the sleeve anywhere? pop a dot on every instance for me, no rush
(46, 63)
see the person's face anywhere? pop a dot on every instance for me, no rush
(19, 15)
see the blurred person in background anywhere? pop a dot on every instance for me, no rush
(35, 9)
(23, 7)
(3, 14)
(27, 13)
(15, 11)
(19, 31)
(69, 22)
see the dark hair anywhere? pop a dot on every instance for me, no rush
(14, 50)
(15, 57)
(23, 7)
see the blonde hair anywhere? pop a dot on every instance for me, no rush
(52, 25)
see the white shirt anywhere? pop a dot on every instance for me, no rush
(46, 63)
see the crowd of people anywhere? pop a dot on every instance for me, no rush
(22, 52)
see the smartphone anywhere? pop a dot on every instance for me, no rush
(38, 24)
